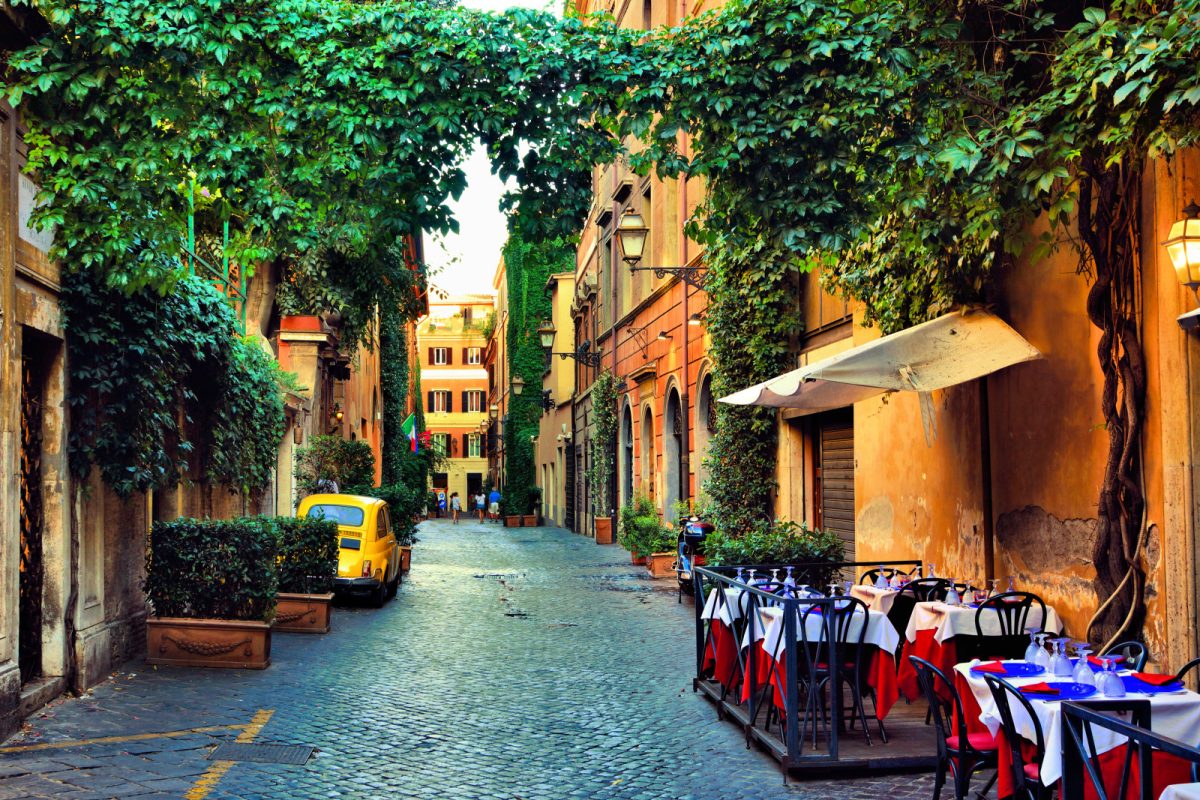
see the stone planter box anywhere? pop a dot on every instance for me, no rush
(512, 521)
(237, 644)
(604, 531)
(405, 557)
(530, 520)
(302, 613)
(661, 565)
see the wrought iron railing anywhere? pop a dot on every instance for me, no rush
(782, 732)
(1083, 772)
(230, 278)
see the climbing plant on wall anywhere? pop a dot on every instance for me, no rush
(603, 442)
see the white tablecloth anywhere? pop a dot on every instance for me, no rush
(880, 632)
(950, 621)
(1181, 791)
(726, 610)
(1173, 715)
(876, 599)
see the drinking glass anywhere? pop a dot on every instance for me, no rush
(1043, 657)
(931, 572)
(1011, 587)
(775, 575)
(880, 581)
(846, 586)
(804, 590)
(1031, 652)
(741, 575)
(1060, 665)
(789, 583)
(1112, 686)
(1083, 672)
(952, 598)
(994, 591)
(833, 588)
(750, 580)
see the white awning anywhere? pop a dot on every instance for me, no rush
(949, 350)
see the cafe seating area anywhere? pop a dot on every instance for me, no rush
(889, 667)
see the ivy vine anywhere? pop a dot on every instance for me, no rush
(603, 443)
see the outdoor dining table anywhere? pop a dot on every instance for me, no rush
(934, 627)
(880, 640)
(721, 609)
(1175, 714)
(876, 599)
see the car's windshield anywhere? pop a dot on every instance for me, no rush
(342, 515)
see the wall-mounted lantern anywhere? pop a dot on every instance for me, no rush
(1183, 247)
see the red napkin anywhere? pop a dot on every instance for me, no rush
(990, 666)
(1154, 679)
(1099, 660)
(1039, 688)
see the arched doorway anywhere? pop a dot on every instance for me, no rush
(625, 460)
(674, 477)
(706, 423)
(647, 452)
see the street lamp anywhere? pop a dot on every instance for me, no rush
(582, 355)
(663, 336)
(518, 385)
(632, 233)
(695, 320)
(1183, 246)
(494, 411)
(546, 334)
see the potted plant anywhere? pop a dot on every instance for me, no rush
(307, 564)
(637, 519)
(431, 505)
(779, 542)
(599, 474)
(532, 500)
(661, 543)
(211, 586)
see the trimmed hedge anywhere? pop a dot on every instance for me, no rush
(308, 554)
(213, 569)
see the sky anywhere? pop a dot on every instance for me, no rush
(464, 263)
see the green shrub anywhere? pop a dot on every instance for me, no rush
(405, 503)
(779, 542)
(213, 569)
(332, 458)
(640, 531)
(308, 553)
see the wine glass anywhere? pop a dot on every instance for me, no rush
(931, 574)
(1083, 671)
(789, 583)
(952, 598)
(1060, 665)
(1112, 685)
(804, 590)
(1031, 652)
(880, 580)
(1043, 657)
(1011, 587)
(750, 580)
(775, 575)
(741, 575)
(993, 582)
(846, 586)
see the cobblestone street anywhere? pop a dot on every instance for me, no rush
(514, 663)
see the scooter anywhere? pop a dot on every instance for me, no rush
(689, 546)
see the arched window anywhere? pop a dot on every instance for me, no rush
(625, 461)
(705, 427)
(675, 473)
(646, 452)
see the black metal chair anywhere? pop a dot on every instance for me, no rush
(924, 590)
(959, 752)
(871, 575)
(1026, 774)
(1186, 668)
(839, 636)
(1134, 653)
(1011, 611)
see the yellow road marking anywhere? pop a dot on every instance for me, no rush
(133, 737)
(212, 776)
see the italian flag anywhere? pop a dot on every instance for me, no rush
(409, 429)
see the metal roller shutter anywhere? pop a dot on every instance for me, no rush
(837, 481)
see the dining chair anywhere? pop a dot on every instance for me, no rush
(958, 752)
(1011, 610)
(1134, 653)
(871, 575)
(924, 590)
(805, 681)
(844, 631)
(1026, 772)
(1186, 668)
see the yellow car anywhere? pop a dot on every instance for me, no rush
(368, 557)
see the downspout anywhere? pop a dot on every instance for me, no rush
(685, 439)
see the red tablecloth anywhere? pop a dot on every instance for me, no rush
(880, 672)
(1167, 769)
(720, 655)
(943, 655)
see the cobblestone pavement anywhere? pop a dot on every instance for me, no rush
(515, 663)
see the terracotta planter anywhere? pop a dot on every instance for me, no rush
(405, 557)
(636, 559)
(530, 520)
(240, 644)
(512, 521)
(302, 613)
(604, 532)
(300, 322)
(661, 565)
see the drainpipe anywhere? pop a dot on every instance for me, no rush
(685, 439)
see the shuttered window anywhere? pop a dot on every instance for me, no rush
(837, 480)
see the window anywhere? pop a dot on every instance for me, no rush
(474, 355)
(441, 443)
(343, 515)
(441, 355)
(473, 401)
(467, 317)
(474, 450)
(647, 14)
(441, 402)
(381, 531)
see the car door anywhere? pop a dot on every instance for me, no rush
(385, 544)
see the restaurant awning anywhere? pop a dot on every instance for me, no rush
(952, 349)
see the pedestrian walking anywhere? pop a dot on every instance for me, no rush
(494, 505)
(455, 506)
(480, 504)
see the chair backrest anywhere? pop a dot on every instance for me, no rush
(1003, 693)
(1134, 653)
(947, 715)
(926, 589)
(1012, 612)
(1186, 668)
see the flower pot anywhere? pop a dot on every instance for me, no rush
(530, 520)
(512, 521)
(302, 613)
(639, 561)
(604, 532)
(179, 642)
(405, 557)
(309, 323)
(661, 565)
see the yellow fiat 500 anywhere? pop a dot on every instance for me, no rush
(368, 556)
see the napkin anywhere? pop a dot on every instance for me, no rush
(1099, 661)
(990, 666)
(1039, 688)
(1154, 679)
